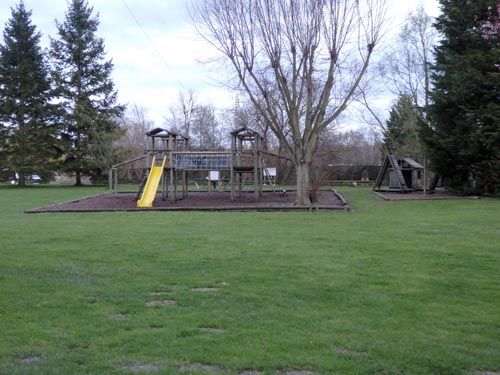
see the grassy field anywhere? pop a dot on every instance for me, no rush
(391, 288)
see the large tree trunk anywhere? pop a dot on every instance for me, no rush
(303, 184)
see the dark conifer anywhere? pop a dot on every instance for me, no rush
(401, 132)
(27, 117)
(83, 79)
(464, 137)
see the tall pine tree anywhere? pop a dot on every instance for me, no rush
(464, 136)
(83, 79)
(27, 117)
(401, 130)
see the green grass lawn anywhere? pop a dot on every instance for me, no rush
(391, 288)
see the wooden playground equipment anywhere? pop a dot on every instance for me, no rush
(168, 160)
(402, 175)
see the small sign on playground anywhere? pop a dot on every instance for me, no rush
(214, 176)
(271, 172)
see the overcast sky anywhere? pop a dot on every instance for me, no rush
(161, 55)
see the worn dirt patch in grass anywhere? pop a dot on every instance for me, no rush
(205, 290)
(141, 368)
(30, 358)
(250, 372)
(118, 316)
(160, 293)
(212, 329)
(78, 346)
(296, 372)
(342, 350)
(161, 303)
(156, 327)
(200, 367)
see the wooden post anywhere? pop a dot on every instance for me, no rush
(255, 170)
(185, 182)
(175, 185)
(425, 173)
(231, 168)
(110, 180)
(171, 189)
(240, 183)
(164, 192)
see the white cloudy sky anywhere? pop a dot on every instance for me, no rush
(150, 70)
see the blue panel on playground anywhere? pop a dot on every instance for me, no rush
(203, 162)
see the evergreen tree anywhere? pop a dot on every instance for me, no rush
(3, 148)
(83, 79)
(491, 26)
(28, 120)
(464, 136)
(401, 130)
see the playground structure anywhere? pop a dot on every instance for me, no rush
(154, 177)
(403, 175)
(168, 160)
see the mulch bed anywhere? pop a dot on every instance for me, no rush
(418, 195)
(200, 201)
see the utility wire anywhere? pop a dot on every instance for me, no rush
(153, 45)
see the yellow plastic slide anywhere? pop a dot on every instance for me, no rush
(154, 177)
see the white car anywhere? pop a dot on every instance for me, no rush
(34, 178)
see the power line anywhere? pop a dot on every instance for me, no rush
(153, 45)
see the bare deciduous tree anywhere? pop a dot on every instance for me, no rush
(182, 113)
(135, 124)
(407, 66)
(409, 71)
(207, 130)
(353, 147)
(305, 57)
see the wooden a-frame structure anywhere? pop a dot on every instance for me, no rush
(391, 165)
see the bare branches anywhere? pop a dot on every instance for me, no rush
(409, 69)
(305, 48)
(304, 57)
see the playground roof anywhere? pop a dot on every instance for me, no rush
(412, 163)
(164, 133)
(245, 132)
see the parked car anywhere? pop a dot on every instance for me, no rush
(32, 178)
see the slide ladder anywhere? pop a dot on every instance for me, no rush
(391, 161)
(154, 177)
(399, 175)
